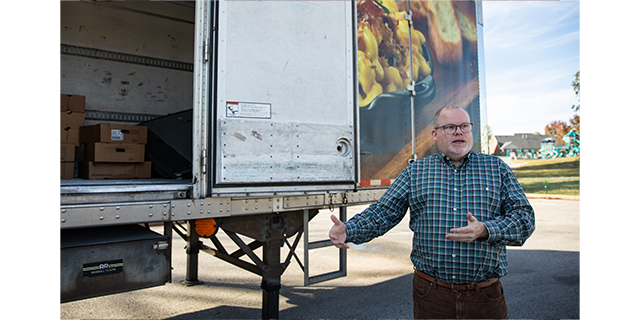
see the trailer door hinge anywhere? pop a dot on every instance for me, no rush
(206, 50)
(203, 161)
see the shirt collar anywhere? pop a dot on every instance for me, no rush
(449, 162)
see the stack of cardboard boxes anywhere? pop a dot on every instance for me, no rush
(71, 119)
(114, 151)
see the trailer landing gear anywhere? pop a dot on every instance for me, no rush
(269, 231)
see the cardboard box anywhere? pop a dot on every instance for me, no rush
(73, 120)
(72, 103)
(94, 171)
(66, 170)
(113, 133)
(70, 135)
(67, 152)
(114, 152)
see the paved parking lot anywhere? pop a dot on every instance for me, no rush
(543, 281)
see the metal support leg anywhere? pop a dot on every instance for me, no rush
(168, 232)
(193, 249)
(305, 230)
(343, 252)
(271, 279)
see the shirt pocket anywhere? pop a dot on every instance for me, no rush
(484, 201)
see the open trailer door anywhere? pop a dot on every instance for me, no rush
(283, 97)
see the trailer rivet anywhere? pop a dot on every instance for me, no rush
(64, 210)
(150, 206)
(101, 208)
(201, 211)
(228, 209)
(202, 203)
(246, 208)
(189, 204)
(256, 207)
(188, 212)
(150, 214)
(118, 208)
(220, 209)
(63, 220)
(101, 217)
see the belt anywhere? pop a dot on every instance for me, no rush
(456, 287)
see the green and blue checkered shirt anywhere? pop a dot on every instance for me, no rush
(440, 195)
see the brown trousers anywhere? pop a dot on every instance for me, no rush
(431, 301)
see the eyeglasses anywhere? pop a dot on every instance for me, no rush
(452, 128)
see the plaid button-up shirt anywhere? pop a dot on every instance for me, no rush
(440, 195)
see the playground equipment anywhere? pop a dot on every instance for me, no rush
(572, 141)
(571, 148)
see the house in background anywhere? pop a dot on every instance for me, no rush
(521, 145)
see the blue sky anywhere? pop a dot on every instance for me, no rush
(532, 52)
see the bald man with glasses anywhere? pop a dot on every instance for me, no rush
(466, 207)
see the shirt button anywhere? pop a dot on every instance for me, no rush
(455, 189)
(453, 255)
(455, 209)
(453, 277)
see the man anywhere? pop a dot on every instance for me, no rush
(465, 208)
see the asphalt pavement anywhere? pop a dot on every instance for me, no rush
(543, 280)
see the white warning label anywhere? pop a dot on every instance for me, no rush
(117, 135)
(248, 110)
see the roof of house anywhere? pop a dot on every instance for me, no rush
(522, 141)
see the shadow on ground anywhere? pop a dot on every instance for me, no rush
(540, 285)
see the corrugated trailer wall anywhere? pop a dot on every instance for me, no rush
(128, 57)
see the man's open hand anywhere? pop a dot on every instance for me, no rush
(474, 230)
(338, 233)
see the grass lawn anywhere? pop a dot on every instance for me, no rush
(552, 176)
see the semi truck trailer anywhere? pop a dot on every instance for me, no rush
(243, 119)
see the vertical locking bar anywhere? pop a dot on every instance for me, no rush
(411, 87)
